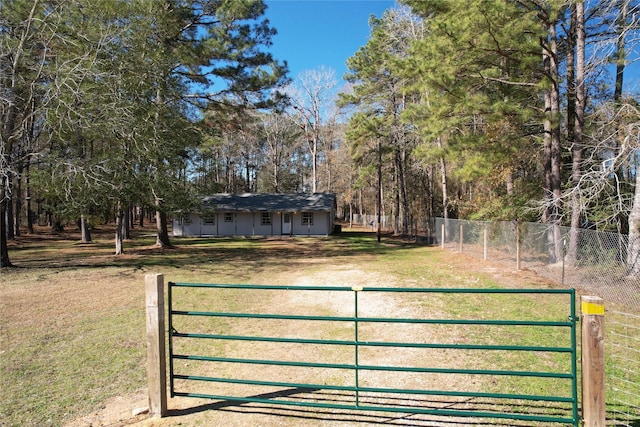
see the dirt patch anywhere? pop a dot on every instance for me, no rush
(341, 303)
(117, 411)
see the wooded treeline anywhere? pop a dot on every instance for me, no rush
(496, 110)
(105, 103)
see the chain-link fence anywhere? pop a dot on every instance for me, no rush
(370, 221)
(597, 266)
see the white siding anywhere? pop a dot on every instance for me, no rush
(321, 225)
(250, 224)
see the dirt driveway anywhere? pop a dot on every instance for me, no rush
(129, 410)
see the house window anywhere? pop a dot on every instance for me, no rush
(185, 219)
(209, 217)
(228, 217)
(307, 218)
(265, 218)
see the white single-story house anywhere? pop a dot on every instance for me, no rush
(253, 214)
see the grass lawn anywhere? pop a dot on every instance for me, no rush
(72, 318)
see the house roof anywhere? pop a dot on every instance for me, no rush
(252, 202)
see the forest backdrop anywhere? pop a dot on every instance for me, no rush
(516, 109)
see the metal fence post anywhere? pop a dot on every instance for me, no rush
(518, 245)
(156, 354)
(485, 243)
(593, 394)
(461, 236)
(443, 236)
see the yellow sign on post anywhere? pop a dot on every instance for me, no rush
(590, 308)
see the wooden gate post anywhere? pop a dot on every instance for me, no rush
(593, 394)
(156, 354)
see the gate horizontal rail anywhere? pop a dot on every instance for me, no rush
(357, 344)
(377, 344)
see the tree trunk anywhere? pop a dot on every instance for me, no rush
(162, 239)
(4, 248)
(84, 229)
(247, 173)
(620, 58)
(56, 224)
(276, 182)
(552, 149)
(119, 217)
(556, 149)
(328, 163)
(443, 181)
(18, 201)
(620, 55)
(126, 222)
(509, 184)
(314, 165)
(132, 217)
(379, 232)
(27, 199)
(402, 189)
(396, 210)
(11, 235)
(633, 249)
(578, 132)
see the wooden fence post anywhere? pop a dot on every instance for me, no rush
(593, 393)
(156, 354)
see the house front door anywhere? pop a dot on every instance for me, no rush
(286, 223)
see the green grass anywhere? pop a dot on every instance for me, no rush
(54, 370)
(72, 316)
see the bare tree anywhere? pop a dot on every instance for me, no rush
(632, 137)
(605, 153)
(312, 96)
(279, 134)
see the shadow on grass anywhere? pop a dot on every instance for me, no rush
(623, 415)
(140, 252)
(306, 404)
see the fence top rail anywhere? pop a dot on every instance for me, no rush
(374, 289)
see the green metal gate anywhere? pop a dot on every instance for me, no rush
(207, 349)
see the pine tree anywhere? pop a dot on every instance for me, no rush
(379, 93)
(478, 72)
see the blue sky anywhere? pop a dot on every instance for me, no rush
(315, 33)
